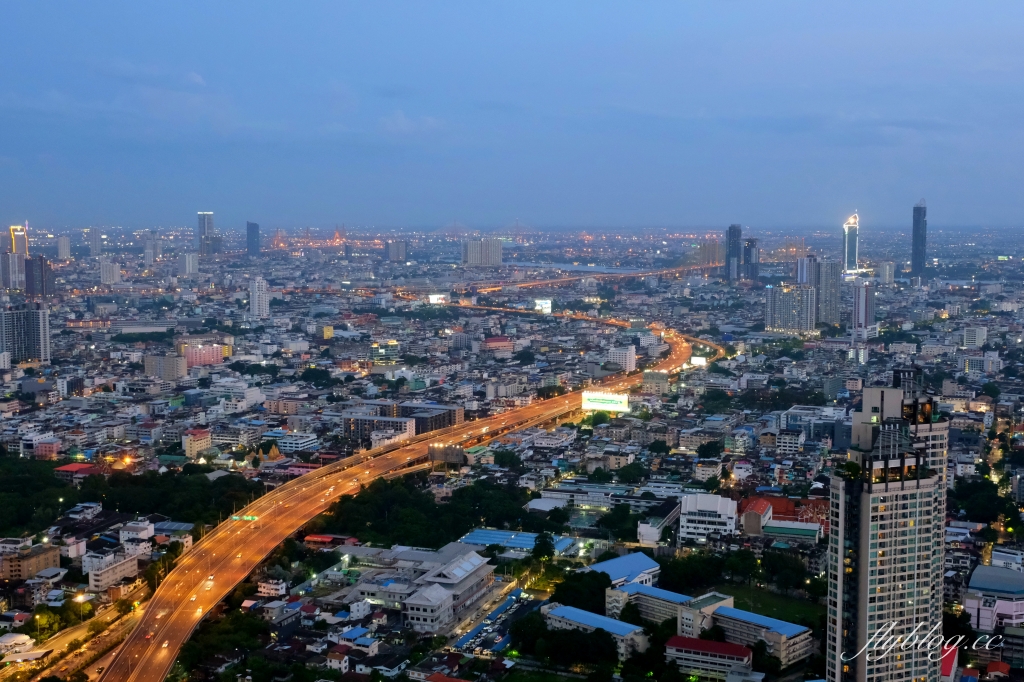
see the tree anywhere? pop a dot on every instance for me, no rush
(123, 607)
(658, 447)
(507, 459)
(741, 565)
(583, 590)
(599, 475)
(631, 614)
(543, 547)
(715, 633)
(710, 450)
(525, 356)
(632, 473)
(712, 484)
(991, 390)
(763, 661)
(599, 417)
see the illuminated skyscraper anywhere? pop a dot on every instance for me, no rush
(25, 332)
(751, 260)
(205, 233)
(789, 308)
(19, 239)
(886, 550)
(851, 235)
(919, 250)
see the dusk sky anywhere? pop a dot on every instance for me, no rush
(572, 114)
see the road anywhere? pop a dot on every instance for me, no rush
(236, 547)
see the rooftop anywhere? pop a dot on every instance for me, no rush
(575, 615)
(657, 592)
(773, 624)
(709, 647)
(1000, 580)
(628, 567)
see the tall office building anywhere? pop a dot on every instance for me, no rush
(789, 308)
(188, 265)
(886, 549)
(751, 260)
(826, 278)
(851, 237)
(110, 272)
(252, 239)
(259, 298)
(38, 277)
(481, 252)
(95, 242)
(12, 270)
(919, 248)
(733, 252)
(19, 239)
(830, 278)
(205, 234)
(886, 273)
(862, 324)
(25, 333)
(63, 248)
(397, 251)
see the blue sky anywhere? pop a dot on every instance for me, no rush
(587, 114)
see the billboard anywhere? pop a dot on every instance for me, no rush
(698, 361)
(437, 299)
(542, 306)
(607, 402)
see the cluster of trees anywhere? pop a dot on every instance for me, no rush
(767, 400)
(254, 368)
(401, 511)
(184, 496)
(532, 637)
(143, 337)
(981, 502)
(48, 620)
(30, 495)
(621, 523)
(236, 631)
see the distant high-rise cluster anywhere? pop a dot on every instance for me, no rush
(826, 279)
(259, 298)
(742, 257)
(63, 248)
(919, 248)
(481, 252)
(851, 245)
(252, 239)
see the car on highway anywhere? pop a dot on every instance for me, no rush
(238, 556)
(149, 635)
(193, 597)
(210, 577)
(199, 610)
(100, 669)
(165, 644)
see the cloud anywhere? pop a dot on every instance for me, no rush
(400, 124)
(194, 77)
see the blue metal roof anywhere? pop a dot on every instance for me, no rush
(627, 567)
(575, 615)
(656, 592)
(512, 540)
(774, 624)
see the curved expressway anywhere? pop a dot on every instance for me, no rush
(236, 547)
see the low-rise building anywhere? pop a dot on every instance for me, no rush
(706, 659)
(629, 639)
(656, 605)
(786, 641)
(702, 514)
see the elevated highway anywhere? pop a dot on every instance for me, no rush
(224, 557)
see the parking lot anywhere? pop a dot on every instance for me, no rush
(491, 635)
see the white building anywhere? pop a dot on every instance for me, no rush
(994, 598)
(110, 273)
(629, 639)
(298, 442)
(702, 514)
(272, 588)
(259, 299)
(624, 357)
(108, 567)
(188, 265)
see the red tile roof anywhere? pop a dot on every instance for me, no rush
(708, 647)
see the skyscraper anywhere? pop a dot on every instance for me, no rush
(709, 252)
(95, 242)
(751, 260)
(851, 236)
(205, 233)
(830, 278)
(188, 264)
(807, 270)
(397, 251)
(919, 248)
(38, 277)
(25, 333)
(252, 239)
(885, 558)
(19, 239)
(64, 248)
(733, 252)
(259, 298)
(12, 270)
(863, 322)
(481, 252)
(789, 308)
